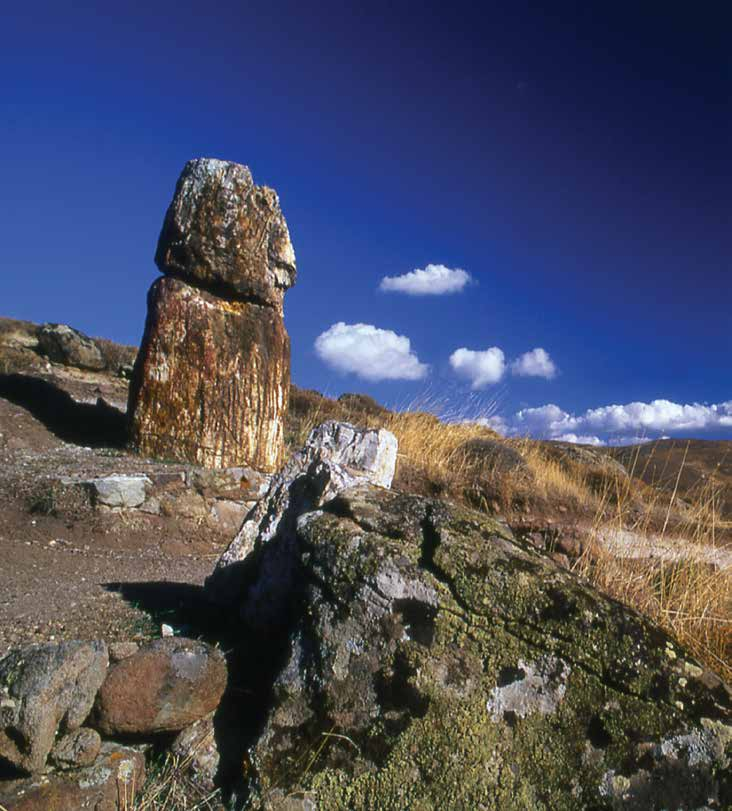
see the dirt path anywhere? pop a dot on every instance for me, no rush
(76, 572)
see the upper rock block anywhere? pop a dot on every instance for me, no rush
(226, 233)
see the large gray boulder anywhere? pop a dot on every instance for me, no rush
(46, 688)
(336, 456)
(437, 662)
(64, 344)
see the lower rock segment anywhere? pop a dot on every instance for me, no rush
(111, 783)
(211, 382)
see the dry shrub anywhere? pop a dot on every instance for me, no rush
(556, 480)
(169, 788)
(432, 458)
(116, 356)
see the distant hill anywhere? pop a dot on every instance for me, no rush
(694, 462)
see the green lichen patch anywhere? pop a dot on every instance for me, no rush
(438, 663)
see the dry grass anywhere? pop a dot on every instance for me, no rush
(168, 787)
(689, 598)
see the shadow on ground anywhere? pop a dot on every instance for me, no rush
(253, 660)
(100, 425)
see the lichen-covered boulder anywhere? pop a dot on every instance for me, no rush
(212, 379)
(437, 662)
(111, 783)
(223, 231)
(45, 688)
(167, 685)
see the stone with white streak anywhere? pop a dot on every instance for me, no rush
(336, 456)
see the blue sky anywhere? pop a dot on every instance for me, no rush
(574, 161)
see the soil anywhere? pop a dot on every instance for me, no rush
(69, 570)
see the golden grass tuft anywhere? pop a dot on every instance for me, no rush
(691, 598)
(168, 787)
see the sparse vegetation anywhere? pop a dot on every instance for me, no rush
(690, 598)
(168, 787)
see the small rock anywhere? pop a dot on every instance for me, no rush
(229, 514)
(568, 545)
(120, 491)
(560, 559)
(122, 650)
(151, 506)
(187, 504)
(196, 746)
(167, 685)
(78, 748)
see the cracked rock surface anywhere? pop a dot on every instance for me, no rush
(437, 662)
(211, 381)
(336, 456)
(45, 688)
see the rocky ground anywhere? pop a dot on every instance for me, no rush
(377, 618)
(75, 570)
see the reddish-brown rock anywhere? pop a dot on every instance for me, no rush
(211, 382)
(111, 783)
(167, 685)
(212, 379)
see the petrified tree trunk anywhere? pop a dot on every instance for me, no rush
(212, 379)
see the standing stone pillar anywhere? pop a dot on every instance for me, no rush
(211, 381)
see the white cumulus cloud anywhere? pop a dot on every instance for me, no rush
(628, 423)
(369, 352)
(434, 280)
(536, 363)
(480, 368)
(580, 439)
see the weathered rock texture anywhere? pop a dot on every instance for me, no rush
(196, 748)
(63, 344)
(167, 685)
(221, 229)
(437, 662)
(336, 456)
(77, 749)
(44, 688)
(111, 783)
(211, 381)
